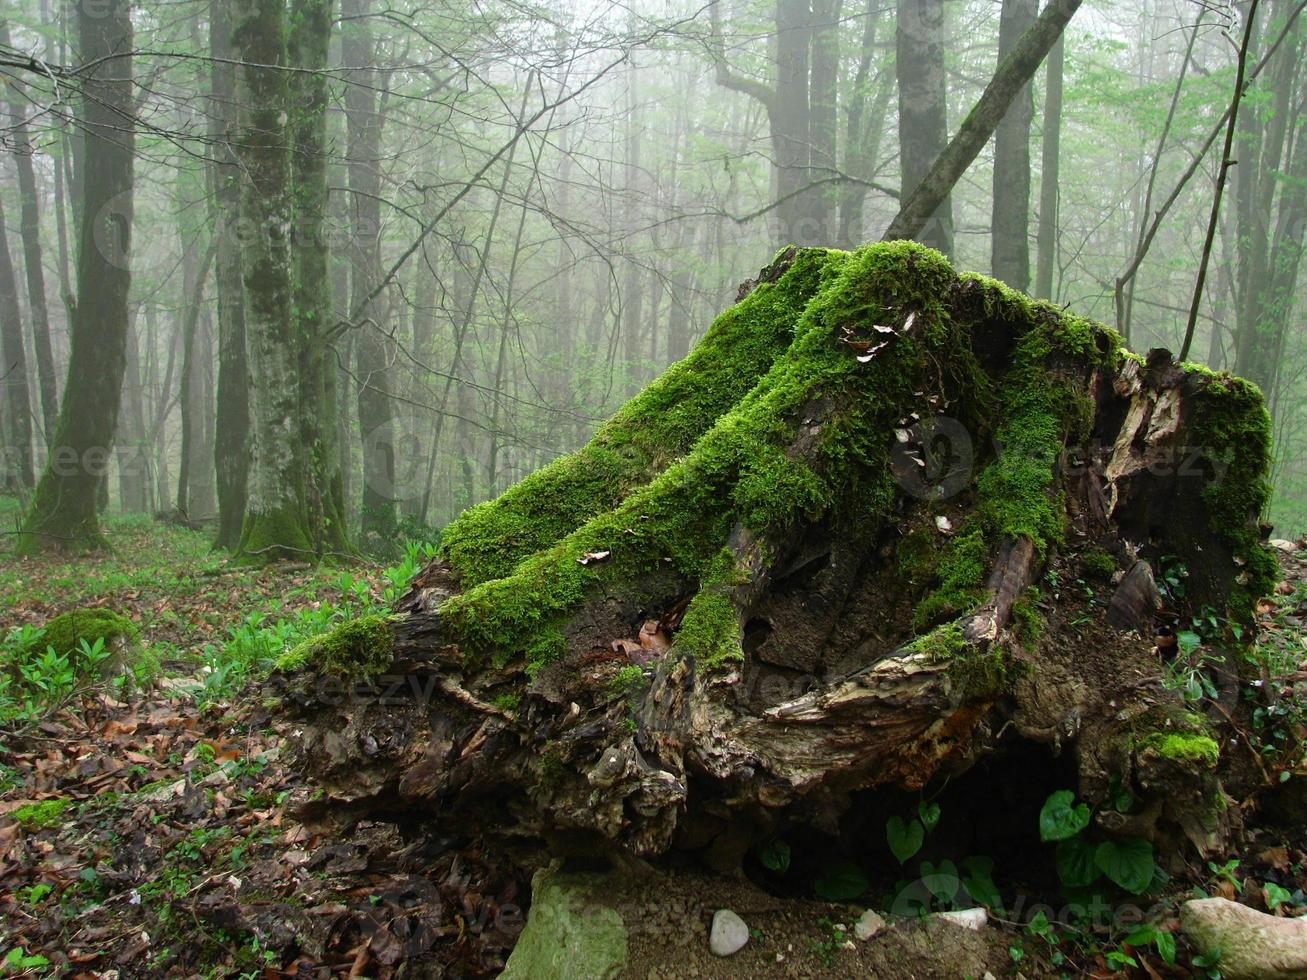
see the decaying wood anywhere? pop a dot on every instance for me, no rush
(833, 694)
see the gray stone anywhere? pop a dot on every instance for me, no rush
(569, 932)
(1253, 945)
(868, 924)
(729, 934)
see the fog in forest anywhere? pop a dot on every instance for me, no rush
(387, 260)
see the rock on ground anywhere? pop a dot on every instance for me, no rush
(1253, 945)
(729, 933)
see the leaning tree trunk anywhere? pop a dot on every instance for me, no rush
(800, 565)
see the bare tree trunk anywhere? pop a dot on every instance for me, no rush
(862, 137)
(1010, 223)
(132, 454)
(374, 349)
(18, 473)
(65, 511)
(30, 226)
(1050, 168)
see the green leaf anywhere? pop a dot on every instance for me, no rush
(1189, 641)
(1061, 818)
(1128, 863)
(775, 855)
(942, 882)
(929, 813)
(905, 839)
(979, 882)
(1076, 867)
(841, 881)
(1165, 943)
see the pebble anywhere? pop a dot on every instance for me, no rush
(973, 919)
(729, 933)
(868, 924)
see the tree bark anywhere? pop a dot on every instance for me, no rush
(65, 511)
(1012, 75)
(1010, 224)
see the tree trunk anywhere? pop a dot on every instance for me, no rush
(862, 136)
(923, 111)
(730, 613)
(374, 348)
(1013, 74)
(18, 474)
(231, 442)
(276, 524)
(132, 454)
(64, 512)
(1010, 224)
(23, 151)
(1050, 167)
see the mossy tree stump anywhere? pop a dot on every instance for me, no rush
(803, 563)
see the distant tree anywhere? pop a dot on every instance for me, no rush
(17, 471)
(1010, 206)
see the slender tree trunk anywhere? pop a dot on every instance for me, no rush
(822, 121)
(1050, 166)
(1012, 75)
(374, 349)
(792, 134)
(862, 136)
(923, 114)
(1010, 223)
(30, 226)
(65, 510)
(18, 472)
(132, 456)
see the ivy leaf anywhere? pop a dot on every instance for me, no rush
(1061, 817)
(929, 813)
(775, 855)
(1128, 863)
(1076, 867)
(841, 881)
(905, 839)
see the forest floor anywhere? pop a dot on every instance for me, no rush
(144, 828)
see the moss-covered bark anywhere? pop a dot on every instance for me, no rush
(836, 619)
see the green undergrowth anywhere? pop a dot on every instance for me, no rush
(658, 425)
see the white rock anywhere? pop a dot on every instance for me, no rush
(1254, 945)
(973, 919)
(1279, 544)
(868, 924)
(729, 933)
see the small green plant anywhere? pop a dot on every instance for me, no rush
(1149, 935)
(774, 855)
(44, 815)
(18, 961)
(1081, 860)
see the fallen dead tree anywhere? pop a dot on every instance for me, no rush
(812, 559)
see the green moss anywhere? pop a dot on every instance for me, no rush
(1098, 564)
(44, 815)
(940, 644)
(546, 648)
(710, 629)
(66, 633)
(276, 535)
(1027, 619)
(629, 683)
(961, 575)
(657, 426)
(680, 520)
(358, 648)
(1234, 431)
(1184, 747)
(507, 701)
